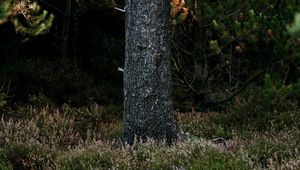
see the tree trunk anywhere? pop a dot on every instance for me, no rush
(147, 82)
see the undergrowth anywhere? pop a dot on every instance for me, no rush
(48, 137)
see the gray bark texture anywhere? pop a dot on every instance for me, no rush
(147, 81)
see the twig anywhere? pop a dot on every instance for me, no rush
(53, 7)
(239, 90)
(119, 9)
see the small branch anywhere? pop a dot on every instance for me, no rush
(120, 69)
(205, 91)
(119, 9)
(53, 7)
(231, 96)
(8, 85)
(286, 75)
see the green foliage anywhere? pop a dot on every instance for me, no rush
(3, 9)
(275, 90)
(295, 28)
(214, 46)
(227, 42)
(28, 17)
(4, 162)
(277, 94)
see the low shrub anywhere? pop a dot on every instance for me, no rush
(216, 160)
(87, 138)
(204, 124)
(85, 159)
(4, 162)
(265, 152)
(149, 155)
(29, 155)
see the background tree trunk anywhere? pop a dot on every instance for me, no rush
(147, 82)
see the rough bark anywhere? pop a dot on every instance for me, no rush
(147, 83)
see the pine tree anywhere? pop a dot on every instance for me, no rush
(28, 17)
(147, 82)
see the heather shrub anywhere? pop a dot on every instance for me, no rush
(17, 131)
(269, 151)
(29, 155)
(59, 127)
(259, 121)
(149, 156)
(248, 113)
(62, 138)
(95, 121)
(216, 160)
(86, 159)
(253, 109)
(203, 124)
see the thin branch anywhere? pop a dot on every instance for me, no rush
(231, 96)
(193, 89)
(53, 7)
(8, 86)
(119, 9)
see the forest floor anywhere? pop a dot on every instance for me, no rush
(46, 137)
